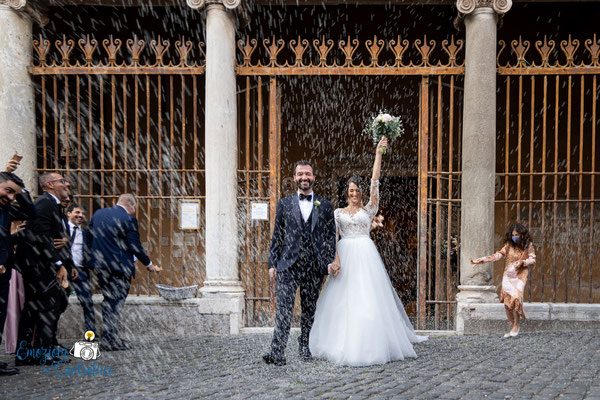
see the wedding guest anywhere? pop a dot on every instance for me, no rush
(44, 268)
(519, 253)
(115, 240)
(16, 296)
(82, 285)
(11, 189)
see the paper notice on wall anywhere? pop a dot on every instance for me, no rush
(189, 215)
(260, 211)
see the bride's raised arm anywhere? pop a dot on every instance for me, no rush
(373, 205)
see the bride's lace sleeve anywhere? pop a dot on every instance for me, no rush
(373, 205)
(336, 217)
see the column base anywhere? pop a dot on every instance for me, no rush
(467, 297)
(228, 298)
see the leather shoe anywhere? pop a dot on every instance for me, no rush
(304, 351)
(8, 371)
(3, 365)
(269, 358)
(25, 361)
(50, 361)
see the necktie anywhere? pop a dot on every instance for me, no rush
(307, 197)
(74, 234)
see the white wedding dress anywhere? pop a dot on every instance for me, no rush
(359, 318)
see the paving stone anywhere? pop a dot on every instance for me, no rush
(212, 366)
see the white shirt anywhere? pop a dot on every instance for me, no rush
(306, 206)
(77, 245)
(59, 263)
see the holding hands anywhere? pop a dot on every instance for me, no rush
(333, 267)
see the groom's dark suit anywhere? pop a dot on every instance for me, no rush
(300, 251)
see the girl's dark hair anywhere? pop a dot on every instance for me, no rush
(524, 236)
(358, 182)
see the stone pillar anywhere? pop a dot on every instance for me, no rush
(17, 113)
(478, 150)
(222, 273)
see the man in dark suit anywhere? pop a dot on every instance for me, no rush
(11, 188)
(79, 246)
(115, 241)
(44, 268)
(302, 250)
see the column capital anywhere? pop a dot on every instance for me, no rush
(228, 4)
(466, 7)
(26, 8)
(17, 5)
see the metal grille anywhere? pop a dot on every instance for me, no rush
(438, 210)
(260, 149)
(439, 217)
(114, 123)
(546, 162)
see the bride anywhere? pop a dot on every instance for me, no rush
(359, 319)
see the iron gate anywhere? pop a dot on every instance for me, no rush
(547, 162)
(439, 129)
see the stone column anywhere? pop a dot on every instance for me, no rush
(17, 113)
(479, 150)
(222, 272)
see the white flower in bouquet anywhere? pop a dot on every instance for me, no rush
(384, 125)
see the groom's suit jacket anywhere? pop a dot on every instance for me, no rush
(287, 233)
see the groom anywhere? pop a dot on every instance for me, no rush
(302, 249)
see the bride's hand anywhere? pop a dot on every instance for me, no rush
(333, 267)
(383, 143)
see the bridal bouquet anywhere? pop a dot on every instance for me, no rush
(384, 125)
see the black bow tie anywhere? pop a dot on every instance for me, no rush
(307, 197)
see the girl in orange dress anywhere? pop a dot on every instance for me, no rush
(520, 254)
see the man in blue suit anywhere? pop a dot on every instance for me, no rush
(115, 241)
(302, 250)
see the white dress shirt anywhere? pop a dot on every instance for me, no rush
(77, 245)
(306, 206)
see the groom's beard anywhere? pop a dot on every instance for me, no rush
(305, 185)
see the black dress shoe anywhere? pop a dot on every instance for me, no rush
(25, 361)
(304, 350)
(8, 371)
(305, 353)
(3, 365)
(269, 358)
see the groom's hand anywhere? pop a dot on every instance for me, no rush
(335, 268)
(273, 273)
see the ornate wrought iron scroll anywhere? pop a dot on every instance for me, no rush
(348, 56)
(549, 57)
(116, 56)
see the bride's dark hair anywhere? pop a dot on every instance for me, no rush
(361, 189)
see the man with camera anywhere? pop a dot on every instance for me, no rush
(11, 189)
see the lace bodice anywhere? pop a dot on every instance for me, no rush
(359, 223)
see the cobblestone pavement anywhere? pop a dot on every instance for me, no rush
(540, 366)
